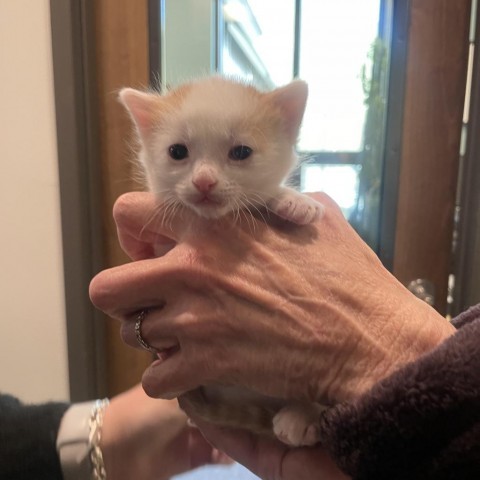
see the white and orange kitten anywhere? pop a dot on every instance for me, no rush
(219, 146)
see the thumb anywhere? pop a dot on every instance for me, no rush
(142, 226)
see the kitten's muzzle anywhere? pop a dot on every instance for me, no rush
(208, 200)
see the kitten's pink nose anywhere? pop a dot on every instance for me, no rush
(204, 184)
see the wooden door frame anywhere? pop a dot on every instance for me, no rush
(393, 132)
(433, 110)
(89, 126)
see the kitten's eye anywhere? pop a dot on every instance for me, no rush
(240, 152)
(178, 151)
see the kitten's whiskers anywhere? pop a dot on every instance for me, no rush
(236, 211)
(151, 218)
(246, 211)
(171, 208)
(164, 212)
(250, 203)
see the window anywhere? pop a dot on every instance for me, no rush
(342, 49)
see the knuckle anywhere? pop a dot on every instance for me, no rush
(121, 207)
(196, 262)
(100, 291)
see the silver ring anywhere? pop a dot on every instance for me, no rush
(138, 331)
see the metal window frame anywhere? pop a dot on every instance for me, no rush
(394, 131)
(156, 19)
(467, 264)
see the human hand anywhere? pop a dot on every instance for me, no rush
(294, 312)
(149, 439)
(270, 459)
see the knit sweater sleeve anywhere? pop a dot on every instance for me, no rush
(422, 422)
(27, 439)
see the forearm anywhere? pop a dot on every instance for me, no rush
(27, 439)
(422, 422)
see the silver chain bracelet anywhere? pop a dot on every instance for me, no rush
(95, 424)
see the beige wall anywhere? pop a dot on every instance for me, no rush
(33, 356)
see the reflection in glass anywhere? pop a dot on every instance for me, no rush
(257, 40)
(335, 38)
(342, 49)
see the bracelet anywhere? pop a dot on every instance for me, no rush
(78, 441)
(95, 423)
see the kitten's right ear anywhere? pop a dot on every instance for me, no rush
(141, 107)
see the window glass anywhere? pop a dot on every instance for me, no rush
(257, 40)
(336, 37)
(338, 181)
(342, 50)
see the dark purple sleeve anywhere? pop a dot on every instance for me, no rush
(28, 436)
(422, 422)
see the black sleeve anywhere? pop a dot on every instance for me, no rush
(27, 440)
(420, 423)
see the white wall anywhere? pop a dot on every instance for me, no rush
(33, 352)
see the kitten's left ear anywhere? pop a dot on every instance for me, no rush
(291, 99)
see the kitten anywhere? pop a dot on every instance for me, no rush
(218, 147)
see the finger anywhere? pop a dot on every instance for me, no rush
(122, 291)
(221, 458)
(151, 329)
(144, 233)
(141, 226)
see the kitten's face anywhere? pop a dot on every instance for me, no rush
(217, 146)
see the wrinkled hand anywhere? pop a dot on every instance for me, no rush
(296, 312)
(147, 439)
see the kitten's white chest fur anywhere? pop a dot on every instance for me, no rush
(220, 147)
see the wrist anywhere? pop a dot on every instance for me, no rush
(431, 401)
(420, 330)
(112, 443)
(143, 438)
(400, 330)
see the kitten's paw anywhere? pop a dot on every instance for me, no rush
(296, 208)
(295, 427)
